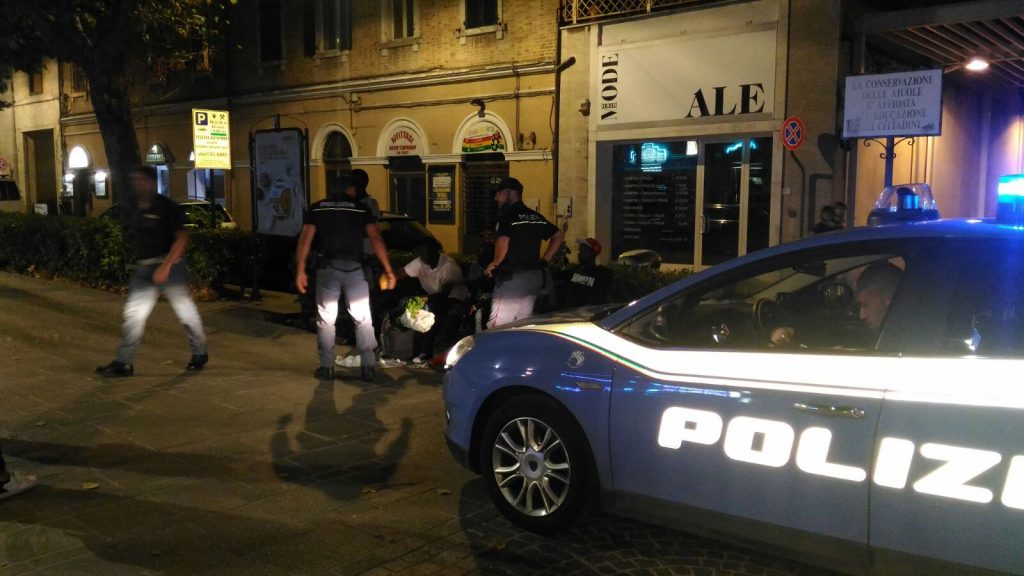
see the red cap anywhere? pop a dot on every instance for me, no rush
(593, 243)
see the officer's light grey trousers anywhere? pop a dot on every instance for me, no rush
(514, 297)
(142, 297)
(330, 283)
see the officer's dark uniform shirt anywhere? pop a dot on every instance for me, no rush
(525, 229)
(340, 227)
(154, 229)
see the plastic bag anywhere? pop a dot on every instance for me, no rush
(419, 320)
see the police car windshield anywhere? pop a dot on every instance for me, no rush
(784, 280)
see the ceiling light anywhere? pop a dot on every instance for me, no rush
(976, 64)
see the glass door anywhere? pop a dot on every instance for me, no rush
(734, 199)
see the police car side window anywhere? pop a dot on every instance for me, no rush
(986, 316)
(803, 304)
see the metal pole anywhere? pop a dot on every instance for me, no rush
(890, 155)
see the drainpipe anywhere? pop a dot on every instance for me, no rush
(562, 67)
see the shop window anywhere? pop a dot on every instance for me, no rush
(400, 20)
(481, 13)
(333, 25)
(655, 199)
(206, 184)
(271, 45)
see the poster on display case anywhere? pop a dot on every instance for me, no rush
(279, 188)
(441, 192)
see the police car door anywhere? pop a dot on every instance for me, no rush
(713, 409)
(948, 480)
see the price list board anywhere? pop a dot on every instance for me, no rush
(654, 188)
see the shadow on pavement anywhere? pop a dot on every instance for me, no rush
(338, 450)
(600, 544)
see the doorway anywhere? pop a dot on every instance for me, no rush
(41, 169)
(408, 187)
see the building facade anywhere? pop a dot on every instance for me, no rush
(653, 124)
(436, 100)
(30, 147)
(674, 119)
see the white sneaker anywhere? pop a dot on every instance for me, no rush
(17, 484)
(350, 361)
(421, 360)
(389, 363)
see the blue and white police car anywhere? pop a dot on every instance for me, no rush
(855, 398)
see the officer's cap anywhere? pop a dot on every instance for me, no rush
(509, 184)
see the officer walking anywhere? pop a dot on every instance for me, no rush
(517, 271)
(335, 227)
(159, 236)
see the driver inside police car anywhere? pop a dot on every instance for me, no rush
(876, 287)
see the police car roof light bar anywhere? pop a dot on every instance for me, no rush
(1010, 209)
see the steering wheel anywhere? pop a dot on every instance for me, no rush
(769, 314)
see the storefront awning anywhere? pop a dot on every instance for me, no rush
(949, 35)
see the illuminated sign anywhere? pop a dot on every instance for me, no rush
(484, 136)
(211, 139)
(893, 463)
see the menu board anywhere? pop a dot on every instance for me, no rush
(654, 187)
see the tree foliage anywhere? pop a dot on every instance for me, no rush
(107, 40)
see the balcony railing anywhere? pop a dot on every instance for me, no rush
(577, 11)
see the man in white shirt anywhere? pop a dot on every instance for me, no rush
(441, 278)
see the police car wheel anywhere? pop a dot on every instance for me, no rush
(536, 464)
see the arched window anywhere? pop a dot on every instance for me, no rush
(337, 151)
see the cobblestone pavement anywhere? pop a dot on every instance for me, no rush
(253, 467)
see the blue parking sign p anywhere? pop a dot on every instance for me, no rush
(201, 118)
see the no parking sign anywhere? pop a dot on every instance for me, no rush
(792, 133)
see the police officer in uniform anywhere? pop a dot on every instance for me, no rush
(517, 271)
(335, 227)
(159, 237)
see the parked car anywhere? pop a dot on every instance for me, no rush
(198, 213)
(400, 232)
(862, 441)
(640, 258)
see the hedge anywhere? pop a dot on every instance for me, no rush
(97, 252)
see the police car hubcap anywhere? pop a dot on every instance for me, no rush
(531, 466)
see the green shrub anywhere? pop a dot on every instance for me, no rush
(97, 252)
(632, 282)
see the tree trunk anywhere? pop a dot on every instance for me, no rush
(113, 108)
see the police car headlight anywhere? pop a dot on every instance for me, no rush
(458, 351)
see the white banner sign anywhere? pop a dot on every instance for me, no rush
(685, 79)
(280, 194)
(211, 139)
(901, 104)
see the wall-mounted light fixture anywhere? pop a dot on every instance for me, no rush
(585, 107)
(479, 103)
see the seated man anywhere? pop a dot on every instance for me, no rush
(876, 287)
(590, 282)
(440, 278)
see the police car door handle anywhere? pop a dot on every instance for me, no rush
(834, 411)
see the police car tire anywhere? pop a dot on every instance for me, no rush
(550, 414)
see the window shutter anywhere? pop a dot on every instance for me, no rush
(309, 27)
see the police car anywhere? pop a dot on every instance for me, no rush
(776, 399)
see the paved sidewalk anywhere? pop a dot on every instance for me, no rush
(254, 467)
